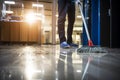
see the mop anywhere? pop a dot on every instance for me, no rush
(90, 48)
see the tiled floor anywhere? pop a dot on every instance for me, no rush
(49, 62)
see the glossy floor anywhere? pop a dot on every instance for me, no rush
(49, 62)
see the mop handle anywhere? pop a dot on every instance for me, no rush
(88, 36)
(90, 43)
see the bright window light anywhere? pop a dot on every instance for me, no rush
(30, 17)
(9, 2)
(37, 5)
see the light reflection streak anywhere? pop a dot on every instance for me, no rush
(31, 66)
(29, 63)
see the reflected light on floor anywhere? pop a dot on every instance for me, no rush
(29, 63)
(78, 71)
(63, 58)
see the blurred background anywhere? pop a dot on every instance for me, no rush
(44, 12)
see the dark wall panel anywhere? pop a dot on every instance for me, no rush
(115, 24)
(105, 23)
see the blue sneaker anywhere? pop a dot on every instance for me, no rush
(64, 45)
(73, 45)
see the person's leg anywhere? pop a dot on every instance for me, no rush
(62, 10)
(71, 20)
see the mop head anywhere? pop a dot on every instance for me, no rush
(91, 49)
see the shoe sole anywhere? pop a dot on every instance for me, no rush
(65, 47)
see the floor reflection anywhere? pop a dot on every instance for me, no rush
(100, 67)
(50, 62)
(65, 66)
